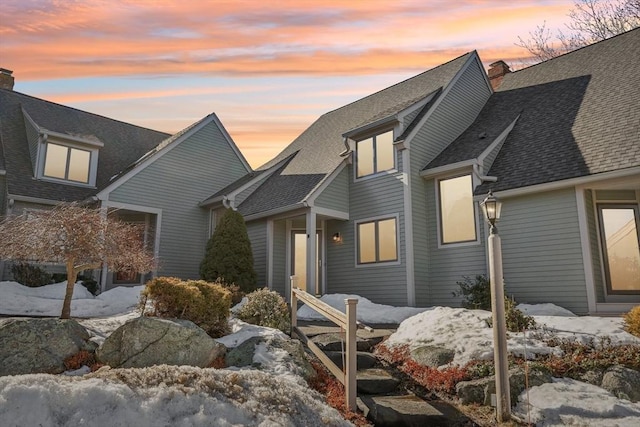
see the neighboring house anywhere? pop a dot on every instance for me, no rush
(50, 153)
(380, 197)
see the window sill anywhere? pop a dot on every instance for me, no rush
(65, 182)
(391, 172)
(379, 264)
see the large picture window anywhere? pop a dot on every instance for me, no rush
(70, 164)
(377, 241)
(457, 212)
(375, 154)
(620, 247)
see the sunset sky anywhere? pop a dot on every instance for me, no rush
(268, 69)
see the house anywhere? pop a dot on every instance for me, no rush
(381, 196)
(50, 153)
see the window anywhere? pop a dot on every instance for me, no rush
(70, 164)
(377, 241)
(457, 212)
(620, 247)
(375, 154)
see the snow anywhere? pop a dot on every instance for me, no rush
(275, 394)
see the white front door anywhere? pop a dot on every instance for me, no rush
(299, 261)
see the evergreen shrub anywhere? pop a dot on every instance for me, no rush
(266, 308)
(632, 321)
(30, 275)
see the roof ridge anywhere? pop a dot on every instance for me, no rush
(575, 50)
(400, 82)
(81, 111)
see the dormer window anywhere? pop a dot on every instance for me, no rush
(375, 155)
(68, 163)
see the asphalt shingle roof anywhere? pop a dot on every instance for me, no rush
(124, 143)
(318, 148)
(580, 115)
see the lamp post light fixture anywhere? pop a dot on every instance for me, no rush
(492, 207)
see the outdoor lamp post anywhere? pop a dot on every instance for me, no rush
(491, 207)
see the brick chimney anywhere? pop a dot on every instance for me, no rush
(6, 79)
(497, 71)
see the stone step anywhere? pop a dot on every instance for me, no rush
(364, 360)
(376, 381)
(335, 342)
(409, 411)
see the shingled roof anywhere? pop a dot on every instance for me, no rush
(318, 148)
(579, 116)
(123, 143)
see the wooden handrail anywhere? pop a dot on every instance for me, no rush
(347, 321)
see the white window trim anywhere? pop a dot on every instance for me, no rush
(441, 244)
(392, 171)
(93, 162)
(356, 245)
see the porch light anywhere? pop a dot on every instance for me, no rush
(491, 207)
(337, 238)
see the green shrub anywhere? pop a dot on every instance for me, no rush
(516, 319)
(90, 284)
(228, 254)
(632, 321)
(475, 294)
(30, 275)
(58, 277)
(205, 304)
(266, 308)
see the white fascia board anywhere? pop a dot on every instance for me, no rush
(33, 123)
(231, 143)
(272, 212)
(571, 182)
(71, 138)
(37, 200)
(104, 194)
(310, 198)
(473, 57)
(130, 207)
(446, 169)
(389, 120)
(332, 213)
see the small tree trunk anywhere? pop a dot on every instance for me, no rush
(72, 274)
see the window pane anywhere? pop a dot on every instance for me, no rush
(367, 242)
(365, 157)
(55, 162)
(79, 165)
(300, 260)
(623, 252)
(456, 210)
(385, 152)
(387, 240)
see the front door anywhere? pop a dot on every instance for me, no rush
(299, 261)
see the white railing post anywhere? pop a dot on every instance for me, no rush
(294, 308)
(351, 365)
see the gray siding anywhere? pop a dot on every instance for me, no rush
(447, 264)
(32, 140)
(598, 280)
(336, 195)
(456, 111)
(488, 161)
(542, 252)
(374, 197)
(175, 183)
(3, 196)
(279, 256)
(257, 231)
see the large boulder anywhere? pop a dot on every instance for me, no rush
(32, 346)
(148, 341)
(622, 382)
(432, 356)
(289, 353)
(479, 391)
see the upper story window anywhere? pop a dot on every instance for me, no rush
(457, 211)
(375, 154)
(377, 241)
(70, 164)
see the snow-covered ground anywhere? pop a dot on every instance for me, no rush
(100, 399)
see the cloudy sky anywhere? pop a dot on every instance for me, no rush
(266, 68)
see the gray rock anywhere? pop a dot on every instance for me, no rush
(408, 410)
(592, 377)
(39, 345)
(364, 360)
(376, 381)
(622, 382)
(479, 391)
(432, 356)
(243, 355)
(148, 341)
(334, 342)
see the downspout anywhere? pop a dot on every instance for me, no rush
(483, 178)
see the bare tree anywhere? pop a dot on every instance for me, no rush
(81, 238)
(590, 21)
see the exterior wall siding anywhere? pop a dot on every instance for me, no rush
(374, 197)
(598, 279)
(279, 257)
(542, 251)
(336, 195)
(456, 111)
(3, 196)
(32, 140)
(175, 183)
(257, 231)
